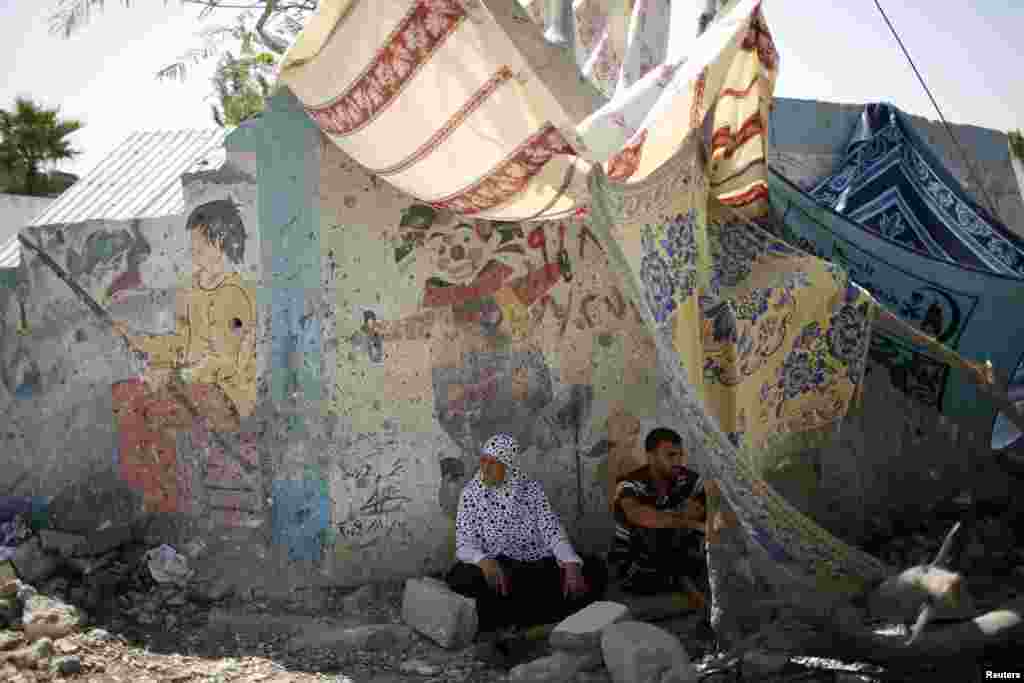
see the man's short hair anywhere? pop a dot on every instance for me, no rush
(662, 435)
(220, 223)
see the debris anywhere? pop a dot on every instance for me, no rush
(47, 617)
(420, 668)
(167, 566)
(61, 543)
(67, 666)
(106, 539)
(760, 664)
(211, 590)
(358, 600)
(370, 638)
(10, 640)
(32, 563)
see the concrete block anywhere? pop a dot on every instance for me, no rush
(444, 616)
(32, 563)
(61, 543)
(561, 667)
(635, 652)
(582, 631)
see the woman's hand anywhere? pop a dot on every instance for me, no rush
(496, 578)
(573, 583)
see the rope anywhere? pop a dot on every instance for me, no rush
(956, 142)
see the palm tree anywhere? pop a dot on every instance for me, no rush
(31, 138)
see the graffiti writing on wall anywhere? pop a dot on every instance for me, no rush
(369, 494)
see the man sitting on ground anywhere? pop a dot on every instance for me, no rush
(660, 521)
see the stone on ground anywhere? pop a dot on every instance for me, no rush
(582, 630)
(66, 666)
(45, 617)
(7, 571)
(32, 656)
(10, 640)
(32, 563)
(635, 652)
(444, 616)
(561, 667)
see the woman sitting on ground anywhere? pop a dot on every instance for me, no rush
(514, 556)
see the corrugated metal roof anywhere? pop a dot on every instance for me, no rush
(140, 179)
(16, 211)
(10, 254)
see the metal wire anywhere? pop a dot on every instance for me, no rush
(956, 142)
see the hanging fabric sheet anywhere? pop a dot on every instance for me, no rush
(660, 150)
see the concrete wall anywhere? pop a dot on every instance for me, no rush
(349, 463)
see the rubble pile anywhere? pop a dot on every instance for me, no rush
(98, 605)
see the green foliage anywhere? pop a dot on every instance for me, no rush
(265, 29)
(241, 84)
(31, 138)
(1017, 144)
(258, 37)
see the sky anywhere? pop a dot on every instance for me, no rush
(970, 54)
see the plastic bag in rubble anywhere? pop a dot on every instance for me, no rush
(166, 565)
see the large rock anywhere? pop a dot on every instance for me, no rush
(45, 617)
(32, 563)
(560, 667)
(582, 630)
(635, 652)
(439, 613)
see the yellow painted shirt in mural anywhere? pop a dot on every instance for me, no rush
(214, 339)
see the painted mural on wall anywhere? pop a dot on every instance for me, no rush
(517, 327)
(198, 384)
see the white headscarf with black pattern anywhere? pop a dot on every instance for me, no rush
(505, 449)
